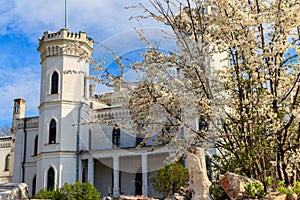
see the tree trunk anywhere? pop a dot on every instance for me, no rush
(199, 182)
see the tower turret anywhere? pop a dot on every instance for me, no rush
(18, 111)
(64, 91)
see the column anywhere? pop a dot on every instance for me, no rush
(91, 170)
(145, 174)
(116, 164)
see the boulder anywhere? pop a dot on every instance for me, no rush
(275, 196)
(138, 197)
(13, 191)
(235, 185)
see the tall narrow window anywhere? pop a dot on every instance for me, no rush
(202, 126)
(50, 179)
(54, 83)
(35, 146)
(139, 137)
(116, 137)
(7, 162)
(52, 132)
(83, 177)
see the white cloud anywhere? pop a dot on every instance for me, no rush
(23, 83)
(100, 18)
(103, 20)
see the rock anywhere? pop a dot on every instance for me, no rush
(138, 197)
(235, 185)
(199, 182)
(176, 196)
(292, 197)
(14, 191)
(275, 196)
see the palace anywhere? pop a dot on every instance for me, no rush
(54, 148)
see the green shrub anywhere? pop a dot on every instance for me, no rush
(256, 190)
(291, 189)
(170, 178)
(77, 191)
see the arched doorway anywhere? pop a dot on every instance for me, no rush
(50, 179)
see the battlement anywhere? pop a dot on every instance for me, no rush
(65, 34)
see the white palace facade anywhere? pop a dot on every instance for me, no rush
(55, 148)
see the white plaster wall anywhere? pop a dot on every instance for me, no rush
(17, 171)
(127, 183)
(103, 177)
(4, 175)
(101, 137)
(64, 166)
(30, 171)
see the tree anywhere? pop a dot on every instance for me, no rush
(5, 130)
(79, 190)
(169, 179)
(249, 102)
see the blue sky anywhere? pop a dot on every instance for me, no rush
(23, 22)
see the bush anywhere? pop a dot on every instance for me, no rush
(77, 191)
(170, 178)
(294, 188)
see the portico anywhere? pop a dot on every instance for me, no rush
(123, 171)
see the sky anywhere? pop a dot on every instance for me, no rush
(23, 22)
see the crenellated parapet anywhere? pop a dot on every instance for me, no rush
(111, 114)
(64, 42)
(5, 141)
(30, 123)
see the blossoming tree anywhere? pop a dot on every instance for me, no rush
(233, 84)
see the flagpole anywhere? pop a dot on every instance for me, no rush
(66, 15)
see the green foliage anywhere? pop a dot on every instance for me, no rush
(170, 178)
(256, 190)
(77, 191)
(294, 188)
(269, 180)
(217, 192)
(45, 194)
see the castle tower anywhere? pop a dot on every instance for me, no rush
(64, 91)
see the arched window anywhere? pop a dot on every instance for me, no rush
(35, 146)
(7, 162)
(116, 137)
(54, 83)
(50, 179)
(52, 132)
(33, 185)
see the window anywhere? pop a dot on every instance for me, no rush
(202, 126)
(7, 162)
(35, 146)
(54, 83)
(83, 177)
(139, 140)
(116, 137)
(52, 132)
(33, 185)
(50, 179)
(139, 137)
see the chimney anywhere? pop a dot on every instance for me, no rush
(92, 90)
(18, 112)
